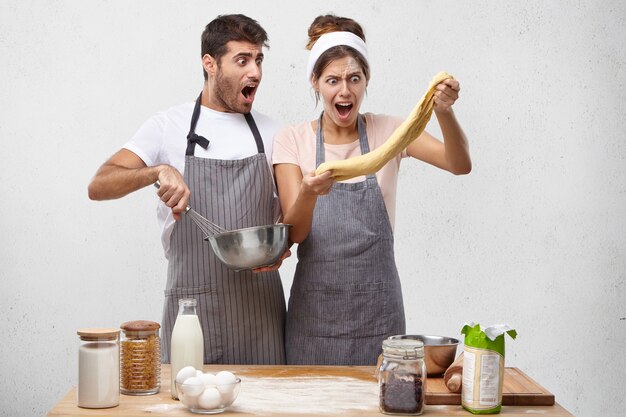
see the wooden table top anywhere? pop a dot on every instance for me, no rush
(284, 391)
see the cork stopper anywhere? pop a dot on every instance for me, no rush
(140, 326)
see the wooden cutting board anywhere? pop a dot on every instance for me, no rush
(519, 389)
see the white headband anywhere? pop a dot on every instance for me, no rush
(329, 40)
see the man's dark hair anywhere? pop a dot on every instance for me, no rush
(230, 27)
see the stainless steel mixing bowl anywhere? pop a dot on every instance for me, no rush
(252, 247)
(439, 351)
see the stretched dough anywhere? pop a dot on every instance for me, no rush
(408, 131)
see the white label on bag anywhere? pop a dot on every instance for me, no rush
(489, 380)
(469, 362)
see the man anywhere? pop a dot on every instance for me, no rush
(212, 155)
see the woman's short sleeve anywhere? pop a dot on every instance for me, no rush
(285, 150)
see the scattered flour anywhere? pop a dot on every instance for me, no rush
(163, 408)
(305, 395)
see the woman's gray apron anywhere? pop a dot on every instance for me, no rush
(346, 295)
(242, 313)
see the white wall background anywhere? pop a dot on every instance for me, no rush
(535, 236)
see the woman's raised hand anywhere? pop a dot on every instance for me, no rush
(447, 94)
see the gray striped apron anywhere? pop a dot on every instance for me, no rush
(346, 295)
(242, 313)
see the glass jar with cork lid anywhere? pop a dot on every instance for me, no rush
(140, 358)
(98, 368)
(402, 377)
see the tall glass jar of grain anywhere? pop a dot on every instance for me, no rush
(401, 377)
(140, 359)
(98, 368)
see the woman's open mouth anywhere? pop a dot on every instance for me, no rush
(344, 109)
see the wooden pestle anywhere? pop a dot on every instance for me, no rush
(453, 377)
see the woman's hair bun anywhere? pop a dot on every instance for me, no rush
(330, 23)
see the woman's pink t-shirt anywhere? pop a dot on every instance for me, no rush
(296, 145)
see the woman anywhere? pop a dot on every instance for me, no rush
(346, 295)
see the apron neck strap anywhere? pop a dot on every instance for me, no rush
(193, 138)
(320, 155)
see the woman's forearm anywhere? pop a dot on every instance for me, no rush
(300, 216)
(455, 142)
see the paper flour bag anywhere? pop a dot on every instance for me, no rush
(483, 367)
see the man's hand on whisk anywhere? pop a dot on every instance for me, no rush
(173, 190)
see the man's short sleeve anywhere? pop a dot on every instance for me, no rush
(148, 140)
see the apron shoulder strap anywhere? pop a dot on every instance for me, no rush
(320, 155)
(192, 138)
(255, 132)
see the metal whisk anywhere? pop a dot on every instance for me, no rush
(207, 227)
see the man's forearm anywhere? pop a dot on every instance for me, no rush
(114, 181)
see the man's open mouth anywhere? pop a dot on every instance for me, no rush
(248, 91)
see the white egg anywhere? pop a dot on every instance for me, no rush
(192, 387)
(198, 372)
(209, 379)
(225, 377)
(185, 373)
(210, 398)
(189, 401)
(228, 397)
(225, 382)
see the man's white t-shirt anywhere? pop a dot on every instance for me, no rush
(162, 139)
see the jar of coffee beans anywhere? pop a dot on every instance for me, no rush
(401, 377)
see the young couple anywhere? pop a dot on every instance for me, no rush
(225, 160)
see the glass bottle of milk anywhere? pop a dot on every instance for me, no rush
(187, 348)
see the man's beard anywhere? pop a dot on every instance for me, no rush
(227, 95)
